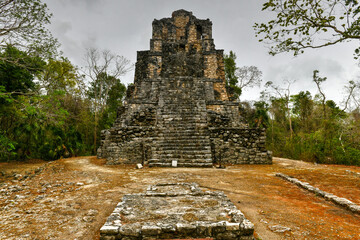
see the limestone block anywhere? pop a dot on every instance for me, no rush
(109, 230)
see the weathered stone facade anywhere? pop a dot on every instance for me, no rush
(174, 211)
(178, 108)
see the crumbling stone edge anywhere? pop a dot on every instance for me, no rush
(237, 227)
(328, 196)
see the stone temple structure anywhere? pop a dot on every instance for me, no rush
(178, 112)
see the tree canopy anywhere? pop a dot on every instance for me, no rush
(303, 24)
(16, 78)
(23, 25)
(239, 78)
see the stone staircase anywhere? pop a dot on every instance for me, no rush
(182, 131)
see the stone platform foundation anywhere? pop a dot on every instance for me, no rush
(176, 211)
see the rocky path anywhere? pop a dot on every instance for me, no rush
(71, 198)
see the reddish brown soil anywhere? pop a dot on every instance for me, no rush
(71, 198)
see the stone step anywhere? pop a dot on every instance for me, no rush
(183, 128)
(182, 154)
(176, 144)
(188, 116)
(197, 164)
(183, 134)
(191, 111)
(176, 117)
(184, 148)
(186, 122)
(181, 162)
(181, 108)
(182, 103)
(159, 164)
(181, 119)
(182, 122)
(173, 125)
(202, 165)
(167, 127)
(201, 149)
(195, 157)
(178, 128)
(188, 147)
(185, 131)
(169, 160)
(184, 140)
(182, 113)
(175, 136)
(195, 148)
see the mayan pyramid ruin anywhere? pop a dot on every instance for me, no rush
(178, 112)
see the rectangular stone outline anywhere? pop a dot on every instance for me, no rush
(328, 196)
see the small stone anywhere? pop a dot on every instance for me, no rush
(139, 166)
(17, 176)
(92, 212)
(19, 196)
(263, 221)
(279, 229)
(88, 218)
(39, 197)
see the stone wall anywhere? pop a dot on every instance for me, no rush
(126, 145)
(239, 146)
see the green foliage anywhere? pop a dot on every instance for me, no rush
(260, 117)
(113, 102)
(230, 76)
(230, 68)
(46, 119)
(47, 126)
(303, 24)
(46, 111)
(60, 75)
(18, 71)
(7, 147)
(331, 138)
(303, 106)
(239, 78)
(23, 25)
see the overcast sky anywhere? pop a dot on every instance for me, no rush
(125, 26)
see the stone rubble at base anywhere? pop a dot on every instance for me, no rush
(178, 108)
(176, 211)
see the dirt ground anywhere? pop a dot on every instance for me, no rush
(71, 198)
